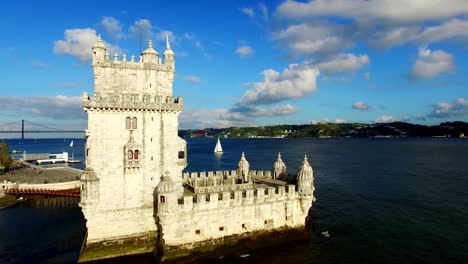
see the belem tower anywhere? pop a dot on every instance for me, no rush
(135, 196)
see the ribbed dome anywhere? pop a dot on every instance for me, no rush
(165, 185)
(305, 171)
(279, 164)
(99, 43)
(243, 163)
(150, 49)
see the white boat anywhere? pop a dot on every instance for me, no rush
(218, 148)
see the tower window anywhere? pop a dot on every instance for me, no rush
(130, 155)
(221, 228)
(128, 123)
(197, 232)
(134, 123)
(181, 154)
(162, 199)
(136, 154)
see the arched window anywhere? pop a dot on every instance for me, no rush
(134, 123)
(136, 154)
(130, 155)
(162, 199)
(128, 124)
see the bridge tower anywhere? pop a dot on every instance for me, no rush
(132, 139)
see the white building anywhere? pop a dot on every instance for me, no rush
(134, 195)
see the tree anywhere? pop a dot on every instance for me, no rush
(5, 158)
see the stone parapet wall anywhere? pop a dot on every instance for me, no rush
(228, 199)
(132, 101)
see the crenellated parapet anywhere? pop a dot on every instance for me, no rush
(236, 198)
(148, 59)
(132, 101)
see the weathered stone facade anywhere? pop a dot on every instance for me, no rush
(132, 139)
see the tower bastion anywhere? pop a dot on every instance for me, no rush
(135, 196)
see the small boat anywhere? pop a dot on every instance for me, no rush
(218, 148)
(16, 151)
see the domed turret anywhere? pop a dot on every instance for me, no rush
(305, 178)
(165, 185)
(150, 55)
(279, 168)
(169, 54)
(166, 196)
(243, 169)
(99, 51)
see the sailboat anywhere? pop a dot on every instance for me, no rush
(72, 160)
(218, 148)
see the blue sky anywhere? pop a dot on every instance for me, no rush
(245, 62)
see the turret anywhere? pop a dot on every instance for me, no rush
(99, 51)
(150, 55)
(169, 58)
(279, 168)
(166, 196)
(305, 179)
(243, 169)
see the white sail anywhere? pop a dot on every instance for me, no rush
(218, 148)
(71, 144)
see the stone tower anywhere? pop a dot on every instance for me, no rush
(132, 139)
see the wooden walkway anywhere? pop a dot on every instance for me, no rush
(39, 191)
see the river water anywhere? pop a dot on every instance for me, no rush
(381, 200)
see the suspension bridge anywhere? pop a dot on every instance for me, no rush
(23, 126)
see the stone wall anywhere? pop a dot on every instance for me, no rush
(215, 215)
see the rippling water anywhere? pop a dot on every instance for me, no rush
(382, 201)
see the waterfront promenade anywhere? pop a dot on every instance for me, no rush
(38, 174)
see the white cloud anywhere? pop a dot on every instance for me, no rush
(453, 29)
(161, 35)
(359, 105)
(197, 42)
(216, 118)
(78, 43)
(248, 11)
(459, 107)
(308, 39)
(244, 51)
(379, 23)
(294, 82)
(343, 63)
(263, 9)
(113, 27)
(236, 116)
(367, 76)
(389, 10)
(40, 64)
(255, 111)
(431, 64)
(142, 28)
(340, 120)
(385, 119)
(192, 79)
(57, 107)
